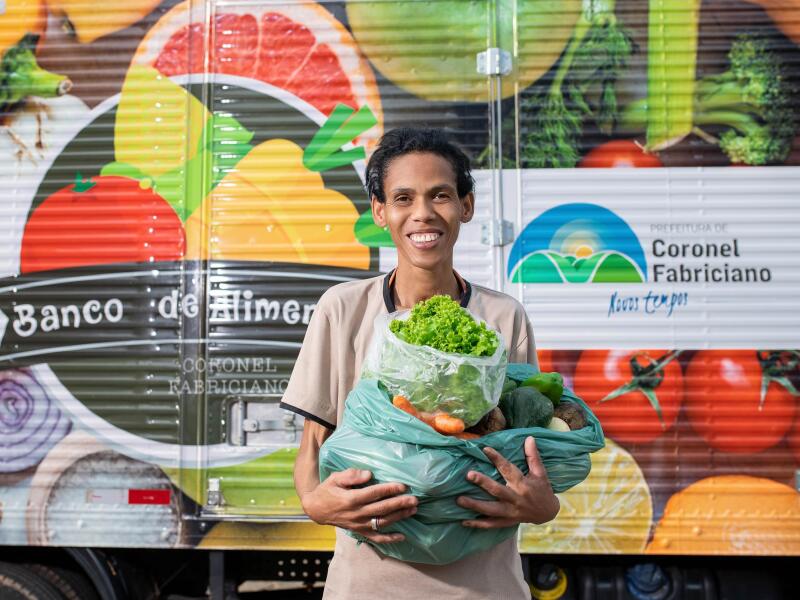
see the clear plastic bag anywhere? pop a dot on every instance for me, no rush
(463, 386)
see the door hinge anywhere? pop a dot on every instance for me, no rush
(498, 232)
(494, 61)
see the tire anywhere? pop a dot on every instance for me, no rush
(71, 585)
(19, 583)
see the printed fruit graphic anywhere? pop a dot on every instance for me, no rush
(102, 220)
(635, 400)
(272, 207)
(610, 512)
(724, 399)
(793, 438)
(619, 154)
(92, 20)
(164, 133)
(158, 124)
(437, 62)
(297, 46)
(545, 358)
(730, 514)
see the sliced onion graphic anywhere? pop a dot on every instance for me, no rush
(30, 422)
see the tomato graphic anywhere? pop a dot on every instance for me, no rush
(102, 220)
(619, 153)
(793, 438)
(545, 358)
(636, 390)
(724, 403)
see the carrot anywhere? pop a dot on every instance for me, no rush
(467, 435)
(447, 425)
(427, 418)
(403, 404)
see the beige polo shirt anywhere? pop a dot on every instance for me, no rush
(327, 368)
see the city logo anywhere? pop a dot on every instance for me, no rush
(577, 243)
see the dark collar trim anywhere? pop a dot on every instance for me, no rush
(388, 288)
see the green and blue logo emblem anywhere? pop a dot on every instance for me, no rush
(577, 243)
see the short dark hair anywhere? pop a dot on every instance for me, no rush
(405, 140)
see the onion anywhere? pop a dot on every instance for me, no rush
(30, 422)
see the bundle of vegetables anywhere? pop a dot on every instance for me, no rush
(582, 89)
(21, 76)
(747, 110)
(397, 445)
(440, 359)
(536, 402)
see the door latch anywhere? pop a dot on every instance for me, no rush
(498, 232)
(494, 61)
(214, 493)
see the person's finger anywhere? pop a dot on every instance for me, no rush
(379, 491)
(509, 472)
(535, 466)
(350, 477)
(489, 523)
(398, 515)
(382, 538)
(498, 490)
(484, 507)
(388, 506)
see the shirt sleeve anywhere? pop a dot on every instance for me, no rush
(311, 391)
(525, 351)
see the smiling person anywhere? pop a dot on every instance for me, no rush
(421, 189)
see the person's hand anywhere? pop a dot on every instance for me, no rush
(336, 502)
(523, 499)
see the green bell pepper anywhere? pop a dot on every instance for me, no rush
(550, 384)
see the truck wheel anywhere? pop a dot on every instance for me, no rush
(18, 583)
(72, 585)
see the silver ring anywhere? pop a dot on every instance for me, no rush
(373, 522)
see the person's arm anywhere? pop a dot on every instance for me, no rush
(338, 501)
(306, 468)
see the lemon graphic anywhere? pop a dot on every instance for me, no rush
(273, 208)
(609, 513)
(159, 124)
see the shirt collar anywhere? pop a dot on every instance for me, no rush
(388, 289)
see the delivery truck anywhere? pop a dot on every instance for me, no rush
(182, 180)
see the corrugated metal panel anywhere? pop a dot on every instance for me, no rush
(687, 232)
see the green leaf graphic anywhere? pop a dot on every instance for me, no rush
(223, 144)
(324, 150)
(369, 234)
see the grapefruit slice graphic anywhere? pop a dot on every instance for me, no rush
(298, 46)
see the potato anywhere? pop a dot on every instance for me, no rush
(571, 414)
(491, 422)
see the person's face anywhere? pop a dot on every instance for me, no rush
(422, 208)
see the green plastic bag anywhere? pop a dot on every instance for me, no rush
(397, 447)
